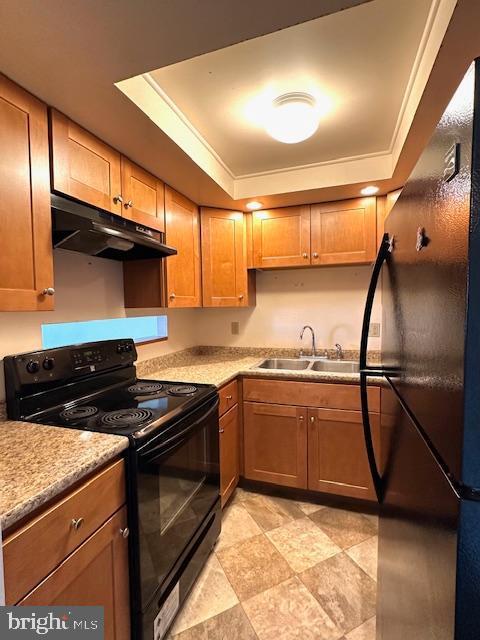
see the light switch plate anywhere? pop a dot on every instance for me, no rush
(374, 331)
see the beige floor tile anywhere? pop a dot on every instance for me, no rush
(289, 612)
(270, 512)
(211, 594)
(365, 555)
(237, 525)
(308, 507)
(253, 566)
(302, 543)
(344, 591)
(231, 624)
(366, 631)
(345, 528)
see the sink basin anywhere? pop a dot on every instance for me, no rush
(284, 363)
(340, 366)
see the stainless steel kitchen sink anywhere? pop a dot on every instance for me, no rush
(285, 363)
(337, 366)
(297, 364)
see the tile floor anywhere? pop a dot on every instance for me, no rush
(285, 570)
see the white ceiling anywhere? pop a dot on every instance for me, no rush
(369, 64)
(359, 60)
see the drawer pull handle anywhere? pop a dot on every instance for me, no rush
(77, 523)
(229, 397)
(221, 430)
(125, 532)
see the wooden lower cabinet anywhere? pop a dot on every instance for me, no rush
(337, 459)
(275, 444)
(95, 574)
(229, 453)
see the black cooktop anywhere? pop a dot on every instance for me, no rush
(131, 410)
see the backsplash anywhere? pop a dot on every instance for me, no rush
(330, 299)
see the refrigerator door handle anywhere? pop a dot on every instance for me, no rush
(386, 248)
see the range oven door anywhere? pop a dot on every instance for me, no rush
(178, 483)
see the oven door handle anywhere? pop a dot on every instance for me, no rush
(173, 442)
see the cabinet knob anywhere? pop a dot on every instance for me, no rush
(129, 204)
(125, 532)
(300, 417)
(76, 523)
(117, 199)
(49, 291)
(315, 254)
(312, 418)
(221, 430)
(228, 397)
(172, 296)
(240, 297)
(305, 255)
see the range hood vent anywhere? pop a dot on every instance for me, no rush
(79, 227)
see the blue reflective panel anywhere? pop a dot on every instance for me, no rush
(140, 329)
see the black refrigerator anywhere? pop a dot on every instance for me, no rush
(427, 467)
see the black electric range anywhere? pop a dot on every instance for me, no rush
(173, 481)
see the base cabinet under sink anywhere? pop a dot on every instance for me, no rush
(307, 447)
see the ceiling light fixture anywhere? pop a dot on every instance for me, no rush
(369, 191)
(294, 117)
(254, 205)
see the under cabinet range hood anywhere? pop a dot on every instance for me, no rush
(80, 227)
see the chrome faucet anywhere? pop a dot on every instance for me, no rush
(314, 346)
(339, 349)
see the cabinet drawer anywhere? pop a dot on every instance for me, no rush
(228, 396)
(33, 551)
(309, 394)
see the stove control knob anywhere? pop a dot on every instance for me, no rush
(33, 366)
(48, 364)
(128, 347)
(120, 348)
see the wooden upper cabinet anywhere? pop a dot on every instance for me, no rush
(224, 259)
(143, 196)
(344, 232)
(84, 167)
(337, 458)
(26, 262)
(182, 227)
(275, 444)
(281, 237)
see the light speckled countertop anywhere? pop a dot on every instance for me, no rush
(220, 367)
(38, 462)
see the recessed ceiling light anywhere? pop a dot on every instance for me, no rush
(254, 205)
(369, 191)
(294, 117)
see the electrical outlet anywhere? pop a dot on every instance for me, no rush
(235, 327)
(374, 331)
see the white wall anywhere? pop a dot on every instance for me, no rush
(330, 299)
(87, 288)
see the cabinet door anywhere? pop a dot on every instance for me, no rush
(344, 232)
(182, 228)
(281, 237)
(95, 574)
(224, 259)
(229, 453)
(26, 262)
(275, 444)
(143, 196)
(337, 459)
(84, 167)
